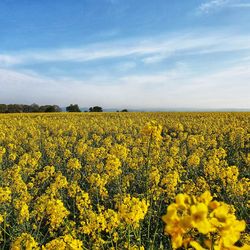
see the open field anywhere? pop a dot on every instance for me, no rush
(109, 181)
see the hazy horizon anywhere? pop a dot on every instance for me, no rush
(160, 54)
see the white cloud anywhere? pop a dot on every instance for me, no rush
(228, 88)
(7, 60)
(125, 66)
(182, 86)
(156, 58)
(213, 5)
(146, 50)
(240, 5)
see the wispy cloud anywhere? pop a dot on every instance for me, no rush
(156, 58)
(115, 53)
(240, 5)
(145, 50)
(6, 60)
(225, 88)
(213, 5)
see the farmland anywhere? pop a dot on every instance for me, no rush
(125, 181)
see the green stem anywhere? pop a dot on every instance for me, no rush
(147, 166)
(129, 237)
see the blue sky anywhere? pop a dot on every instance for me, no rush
(126, 53)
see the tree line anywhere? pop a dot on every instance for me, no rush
(24, 108)
(35, 108)
(75, 108)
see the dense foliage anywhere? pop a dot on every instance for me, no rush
(23, 108)
(125, 181)
(95, 109)
(73, 108)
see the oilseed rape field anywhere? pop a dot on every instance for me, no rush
(125, 181)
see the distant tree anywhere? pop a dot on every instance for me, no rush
(3, 108)
(23, 108)
(57, 108)
(34, 107)
(73, 108)
(124, 110)
(43, 108)
(14, 108)
(95, 109)
(26, 108)
(50, 108)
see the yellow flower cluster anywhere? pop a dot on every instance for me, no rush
(104, 181)
(24, 241)
(73, 164)
(52, 209)
(131, 210)
(5, 195)
(66, 242)
(112, 166)
(190, 216)
(153, 129)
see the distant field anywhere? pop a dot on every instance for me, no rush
(125, 181)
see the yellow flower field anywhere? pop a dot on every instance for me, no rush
(125, 181)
